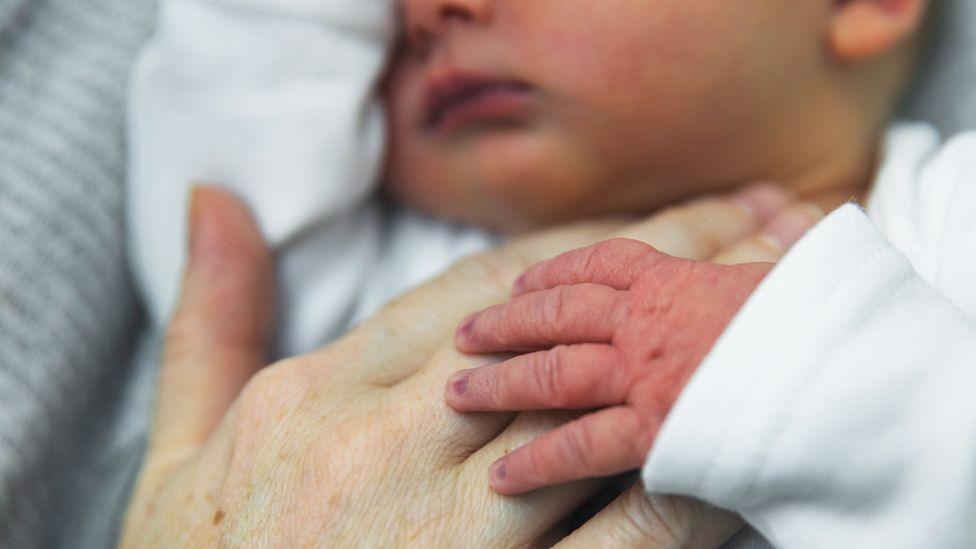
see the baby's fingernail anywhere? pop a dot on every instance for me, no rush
(763, 200)
(790, 226)
(498, 471)
(466, 328)
(519, 286)
(459, 383)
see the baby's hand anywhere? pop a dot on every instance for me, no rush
(617, 326)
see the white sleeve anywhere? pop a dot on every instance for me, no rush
(839, 408)
(925, 204)
(276, 99)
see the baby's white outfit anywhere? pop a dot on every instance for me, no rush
(839, 408)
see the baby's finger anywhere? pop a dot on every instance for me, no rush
(601, 444)
(614, 263)
(584, 313)
(565, 377)
(775, 239)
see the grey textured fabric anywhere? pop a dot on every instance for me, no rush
(68, 316)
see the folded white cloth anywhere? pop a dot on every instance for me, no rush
(839, 408)
(276, 101)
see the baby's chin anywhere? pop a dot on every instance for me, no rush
(512, 208)
(517, 183)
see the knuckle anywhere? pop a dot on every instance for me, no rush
(495, 386)
(548, 376)
(275, 390)
(554, 307)
(610, 252)
(491, 269)
(577, 447)
(585, 261)
(650, 520)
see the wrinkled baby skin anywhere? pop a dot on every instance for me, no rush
(618, 326)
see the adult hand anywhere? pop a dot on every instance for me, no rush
(353, 444)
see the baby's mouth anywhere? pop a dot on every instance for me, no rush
(462, 100)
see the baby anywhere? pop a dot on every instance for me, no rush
(509, 115)
(276, 101)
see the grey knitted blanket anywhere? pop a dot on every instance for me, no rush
(68, 318)
(76, 369)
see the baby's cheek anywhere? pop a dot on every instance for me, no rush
(544, 174)
(417, 173)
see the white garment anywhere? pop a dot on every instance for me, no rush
(839, 408)
(276, 100)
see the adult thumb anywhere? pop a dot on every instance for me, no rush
(219, 335)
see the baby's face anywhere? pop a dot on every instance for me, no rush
(518, 113)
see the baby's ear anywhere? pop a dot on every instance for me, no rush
(860, 29)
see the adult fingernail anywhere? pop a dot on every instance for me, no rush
(499, 471)
(788, 228)
(763, 200)
(459, 383)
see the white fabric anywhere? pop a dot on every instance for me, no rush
(276, 100)
(839, 408)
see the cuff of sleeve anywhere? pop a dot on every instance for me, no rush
(713, 442)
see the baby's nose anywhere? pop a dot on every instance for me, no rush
(426, 20)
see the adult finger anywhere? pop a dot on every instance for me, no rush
(700, 229)
(777, 237)
(584, 313)
(401, 338)
(219, 334)
(637, 520)
(600, 444)
(565, 377)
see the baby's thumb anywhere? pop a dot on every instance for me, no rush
(219, 336)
